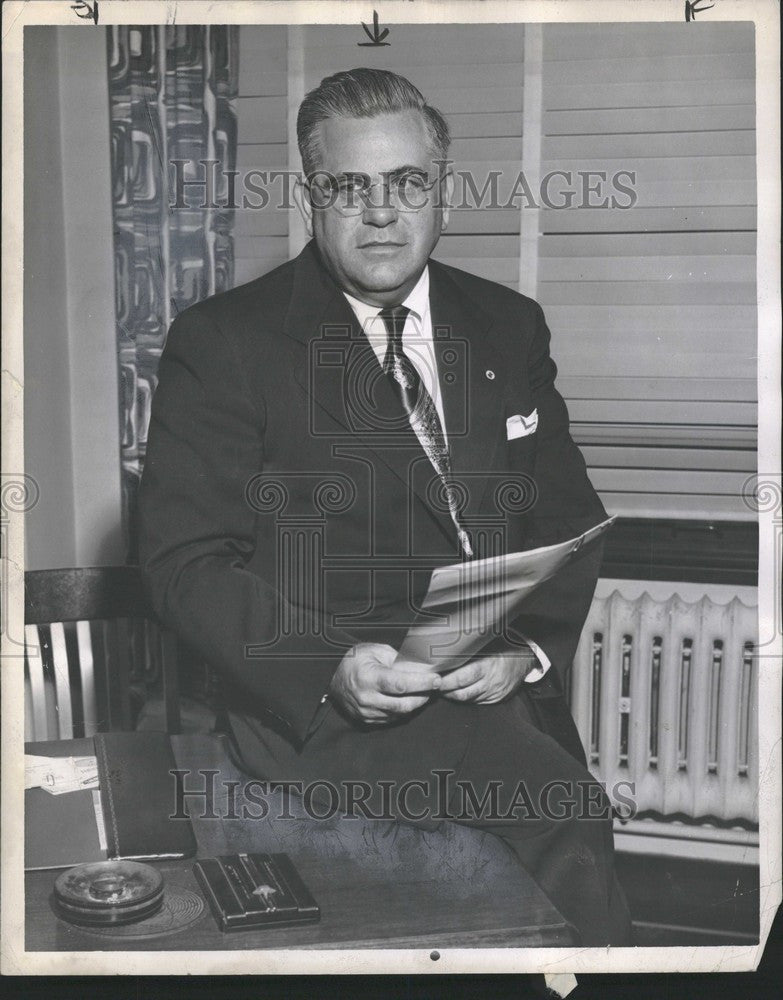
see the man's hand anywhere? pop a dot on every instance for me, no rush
(370, 687)
(490, 679)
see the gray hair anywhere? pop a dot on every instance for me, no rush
(363, 93)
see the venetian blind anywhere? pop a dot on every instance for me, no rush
(653, 308)
(474, 76)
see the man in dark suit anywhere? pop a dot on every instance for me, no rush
(321, 439)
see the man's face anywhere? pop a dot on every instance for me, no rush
(378, 254)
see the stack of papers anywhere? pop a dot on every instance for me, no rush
(470, 603)
(58, 775)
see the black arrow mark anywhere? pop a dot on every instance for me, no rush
(376, 36)
(85, 11)
(692, 8)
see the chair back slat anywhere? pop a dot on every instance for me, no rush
(87, 668)
(100, 674)
(116, 665)
(35, 676)
(93, 652)
(29, 722)
(122, 674)
(62, 681)
(74, 679)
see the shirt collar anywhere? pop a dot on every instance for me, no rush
(417, 301)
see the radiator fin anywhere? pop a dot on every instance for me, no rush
(664, 695)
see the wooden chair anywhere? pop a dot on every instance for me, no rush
(91, 643)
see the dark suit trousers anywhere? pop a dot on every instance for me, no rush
(567, 843)
(501, 752)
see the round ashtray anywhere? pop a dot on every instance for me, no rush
(108, 892)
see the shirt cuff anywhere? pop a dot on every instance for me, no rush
(544, 663)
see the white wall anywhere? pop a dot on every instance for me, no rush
(72, 434)
(50, 530)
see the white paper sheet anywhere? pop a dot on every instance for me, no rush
(467, 603)
(60, 774)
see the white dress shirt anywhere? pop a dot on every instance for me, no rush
(418, 346)
(416, 336)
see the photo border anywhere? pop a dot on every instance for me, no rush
(16, 496)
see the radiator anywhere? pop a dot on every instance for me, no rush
(664, 694)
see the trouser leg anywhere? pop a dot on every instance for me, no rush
(561, 830)
(555, 840)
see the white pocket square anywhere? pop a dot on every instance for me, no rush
(519, 426)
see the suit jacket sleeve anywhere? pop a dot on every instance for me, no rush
(197, 529)
(566, 505)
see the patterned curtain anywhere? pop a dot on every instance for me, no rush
(172, 93)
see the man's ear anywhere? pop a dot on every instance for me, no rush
(448, 198)
(302, 199)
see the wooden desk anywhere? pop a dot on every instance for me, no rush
(355, 912)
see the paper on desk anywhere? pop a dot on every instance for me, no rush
(468, 603)
(60, 774)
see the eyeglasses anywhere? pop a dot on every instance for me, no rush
(349, 194)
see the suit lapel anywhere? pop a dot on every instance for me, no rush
(338, 369)
(340, 374)
(472, 379)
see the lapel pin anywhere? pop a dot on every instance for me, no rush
(490, 374)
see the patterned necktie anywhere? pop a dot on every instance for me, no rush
(421, 410)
